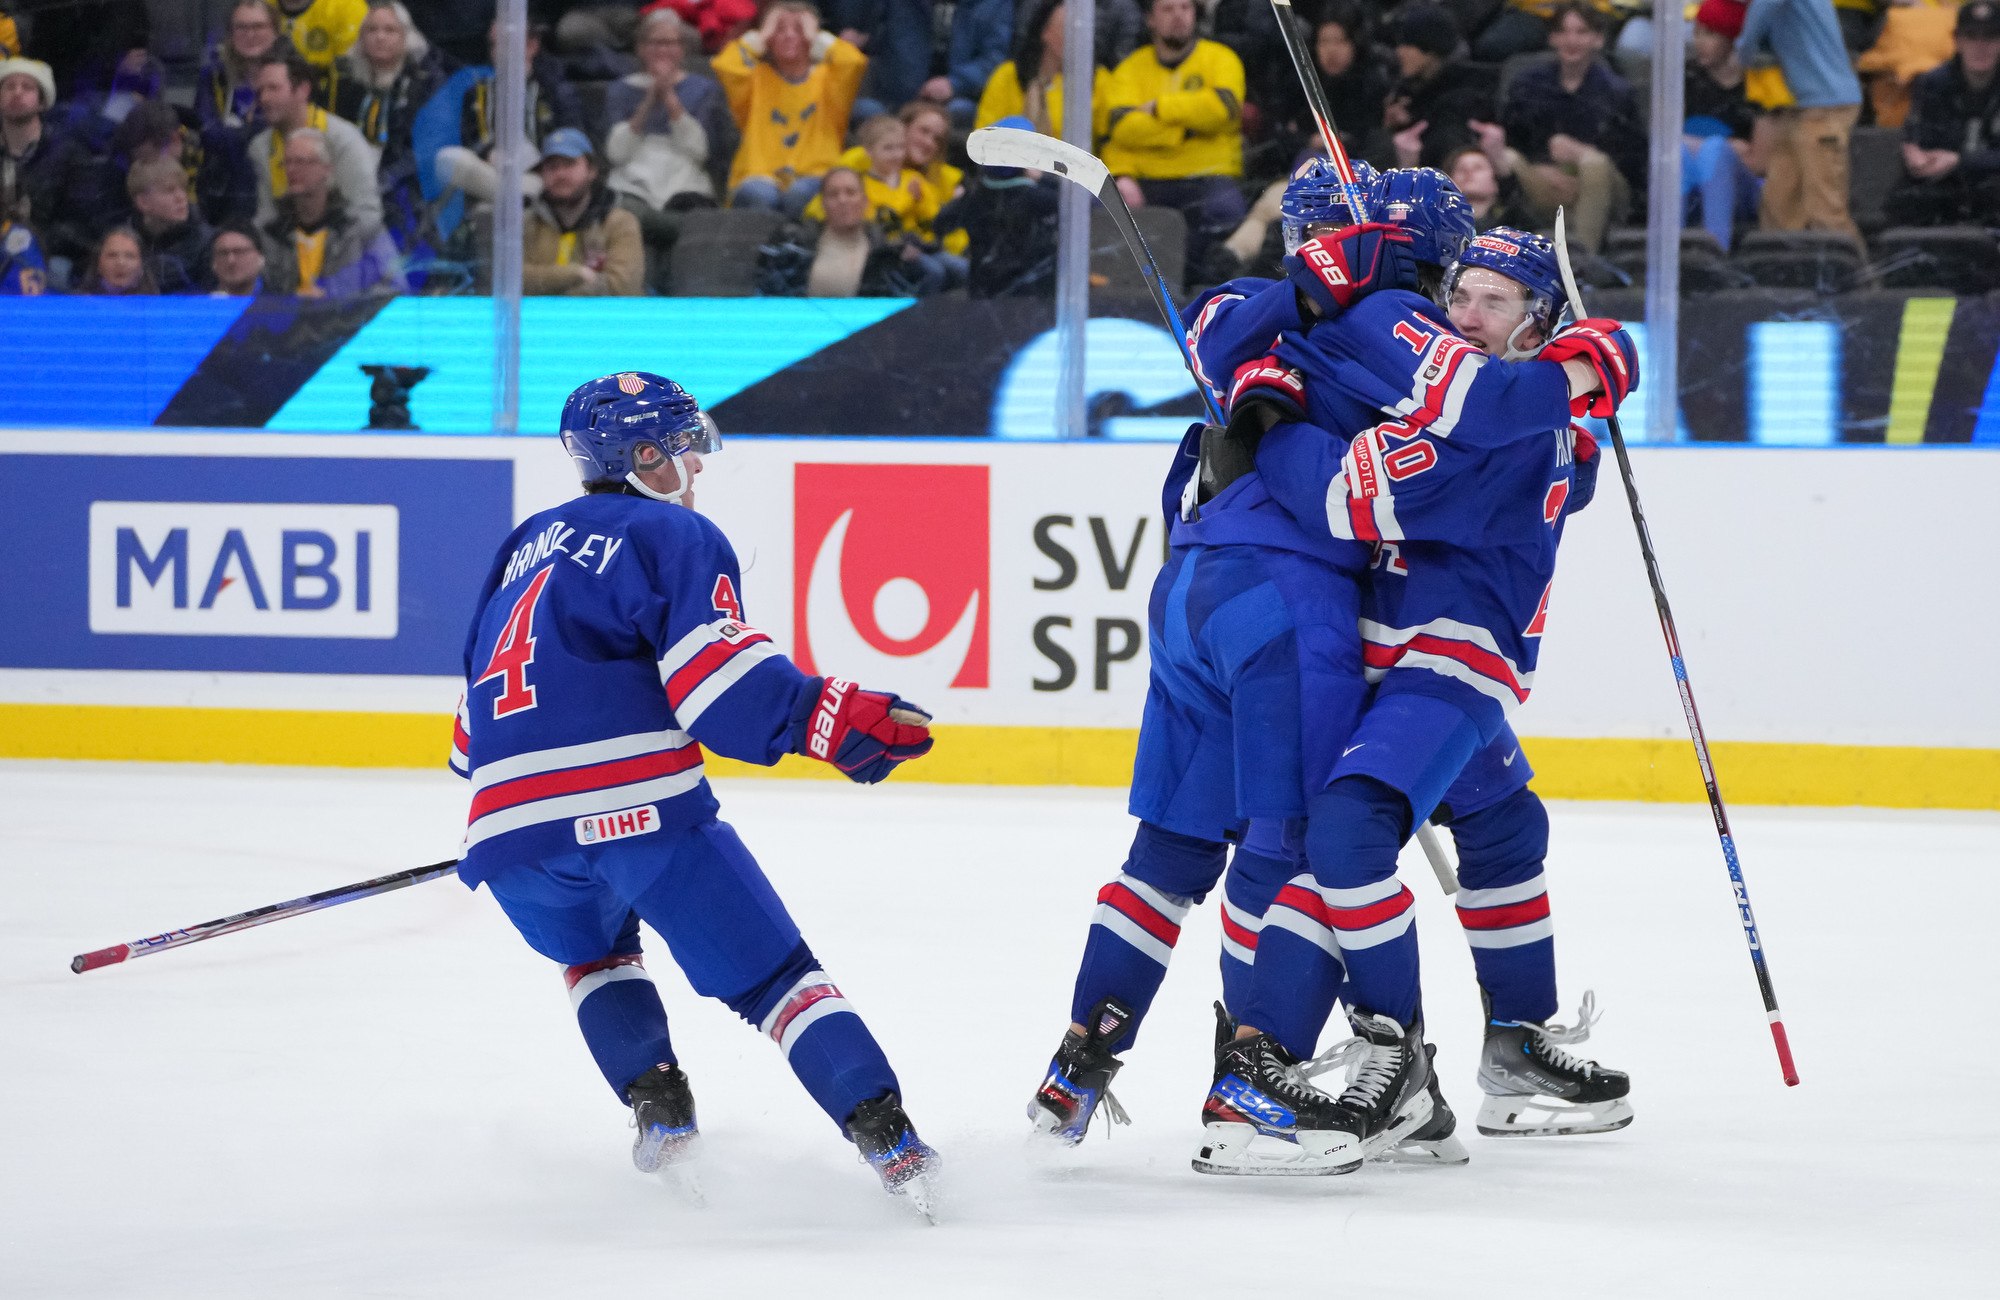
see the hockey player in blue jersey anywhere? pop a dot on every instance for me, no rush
(609, 648)
(1479, 456)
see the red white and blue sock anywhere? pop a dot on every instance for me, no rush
(823, 1039)
(1503, 904)
(620, 1013)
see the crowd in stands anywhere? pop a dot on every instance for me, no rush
(344, 149)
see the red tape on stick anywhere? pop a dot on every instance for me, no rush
(102, 957)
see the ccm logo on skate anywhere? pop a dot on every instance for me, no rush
(820, 742)
(617, 825)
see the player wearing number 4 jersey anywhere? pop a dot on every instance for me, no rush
(609, 649)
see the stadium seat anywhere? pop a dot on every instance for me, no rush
(1824, 261)
(1705, 267)
(591, 95)
(1874, 165)
(1112, 265)
(716, 254)
(1963, 259)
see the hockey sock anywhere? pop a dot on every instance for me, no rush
(1503, 903)
(1258, 869)
(1354, 830)
(1138, 921)
(823, 1039)
(620, 1013)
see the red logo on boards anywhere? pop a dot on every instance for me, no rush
(889, 574)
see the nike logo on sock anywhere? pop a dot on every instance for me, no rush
(1507, 761)
(1350, 749)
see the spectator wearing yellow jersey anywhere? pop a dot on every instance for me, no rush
(901, 203)
(791, 87)
(1177, 127)
(1030, 84)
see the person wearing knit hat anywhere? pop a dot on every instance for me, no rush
(46, 175)
(1719, 158)
(1951, 146)
(1440, 95)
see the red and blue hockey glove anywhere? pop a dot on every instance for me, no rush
(1605, 347)
(1270, 384)
(863, 733)
(1338, 269)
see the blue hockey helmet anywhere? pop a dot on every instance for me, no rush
(1527, 259)
(1425, 203)
(1315, 197)
(607, 421)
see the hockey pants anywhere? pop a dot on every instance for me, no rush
(727, 930)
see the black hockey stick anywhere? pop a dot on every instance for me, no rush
(261, 916)
(1008, 146)
(1687, 701)
(1303, 64)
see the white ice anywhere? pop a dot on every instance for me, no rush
(391, 1099)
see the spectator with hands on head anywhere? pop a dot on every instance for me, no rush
(791, 88)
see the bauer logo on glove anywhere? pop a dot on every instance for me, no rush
(866, 734)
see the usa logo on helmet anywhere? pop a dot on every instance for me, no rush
(631, 384)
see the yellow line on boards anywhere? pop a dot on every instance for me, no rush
(1650, 770)
(1919, 356)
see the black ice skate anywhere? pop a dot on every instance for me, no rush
(1388, 1097)
(1263, 1118)
(1436, 1143)
(668, 1141)
(1079, 1077)
(886, 1139)
(1536, 1089)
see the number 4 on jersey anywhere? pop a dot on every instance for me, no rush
(514, 651)
(724, 598)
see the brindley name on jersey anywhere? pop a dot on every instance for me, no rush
(608, 649)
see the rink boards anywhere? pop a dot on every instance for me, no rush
(301, 599)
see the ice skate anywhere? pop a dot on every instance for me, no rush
(1079, 1078)
(1388, 1096)
(1536, 1089)
(668, 1142)
(1264, 1119)
(1437, 1142)
(885, 1138)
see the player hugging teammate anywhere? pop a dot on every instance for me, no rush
(1359, 576)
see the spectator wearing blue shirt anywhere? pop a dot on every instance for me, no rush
(1805, 185)
(1573, 126)
(908, 58)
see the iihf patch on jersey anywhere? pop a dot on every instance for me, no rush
(617, 825)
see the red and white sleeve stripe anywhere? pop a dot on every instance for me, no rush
(699, 667)
(1506, 917)
(1142, 916)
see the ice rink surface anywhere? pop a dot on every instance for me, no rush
(391, 1099)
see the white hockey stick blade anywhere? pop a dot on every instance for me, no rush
(1569, 276)
(1010, 146)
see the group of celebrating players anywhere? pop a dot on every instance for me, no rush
(1351, 608)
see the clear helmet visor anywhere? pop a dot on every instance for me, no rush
(1297, 232)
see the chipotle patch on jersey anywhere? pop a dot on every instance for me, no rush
(617, 825)
(891, 574)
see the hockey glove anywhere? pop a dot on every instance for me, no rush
(863, 733)
(1338, 269)
(1605, 347)
(1268, 383)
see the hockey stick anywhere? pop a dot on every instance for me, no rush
(1687, 700)
(261, 916)
(1009, 146)
(1303, 64)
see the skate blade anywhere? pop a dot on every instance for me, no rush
(1047, 1129)
(1536, 1116)
(923, 1198)
(683, 1178)
(1447, 1150)
(1238, 1150)
(1415, 1114)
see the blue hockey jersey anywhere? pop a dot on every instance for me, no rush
(608, 648)
(1462, 489)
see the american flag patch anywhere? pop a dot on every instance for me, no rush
(1106, 1024)
(631, 384)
